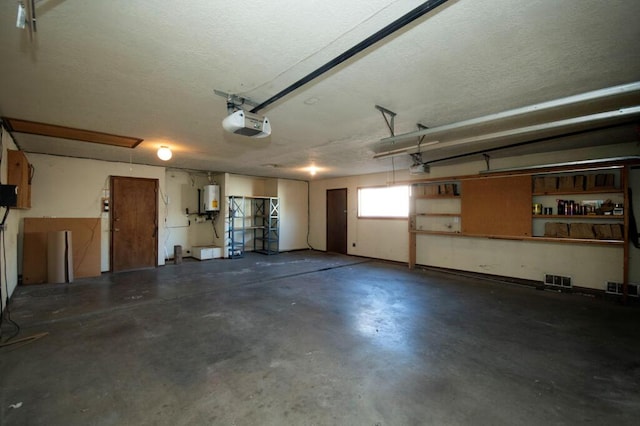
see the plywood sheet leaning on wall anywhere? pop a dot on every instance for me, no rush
(85, 242)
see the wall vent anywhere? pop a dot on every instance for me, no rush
(557, 281)
(616, 288)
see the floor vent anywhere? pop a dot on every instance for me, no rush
(616, 288)
(557, 281)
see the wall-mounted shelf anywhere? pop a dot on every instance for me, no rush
(421, 232)
(578, 217)
(434, 209)
(587, 190)
(439, 214)
(501, 206)
(613, 191)
(532, 239)
(435, 197)
(577, 241)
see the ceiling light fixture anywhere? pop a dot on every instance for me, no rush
(164, 153)
(312, 169)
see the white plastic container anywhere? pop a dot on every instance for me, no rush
(206, 252)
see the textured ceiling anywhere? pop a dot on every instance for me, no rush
(148, 69)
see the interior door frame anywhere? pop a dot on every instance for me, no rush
(111, 218)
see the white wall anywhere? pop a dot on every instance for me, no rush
(294, 222)
(74, 187)
(248, 186)
(11, 232)
(589, 265)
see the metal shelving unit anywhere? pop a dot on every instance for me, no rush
(236, 227)
(253, 222)
(266, 221)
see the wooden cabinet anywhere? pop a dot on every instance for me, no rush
(20, 173)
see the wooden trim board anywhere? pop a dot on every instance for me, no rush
(62, 132)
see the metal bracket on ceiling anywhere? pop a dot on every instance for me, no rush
(487, 159)
(417, 156)
(421, 138)
(389, 118)
(234, 102)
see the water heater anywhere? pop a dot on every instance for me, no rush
(211, 198)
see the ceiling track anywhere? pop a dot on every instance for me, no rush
(396, 25)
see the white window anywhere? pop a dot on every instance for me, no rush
(384, 202)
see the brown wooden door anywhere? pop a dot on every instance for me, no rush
(337, 220)
(134, 223)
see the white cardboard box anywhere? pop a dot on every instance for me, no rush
(206, 252)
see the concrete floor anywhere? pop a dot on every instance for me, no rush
(308, 338)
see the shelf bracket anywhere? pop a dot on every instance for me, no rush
(487, 159)
(421, 138)
(389, 118)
